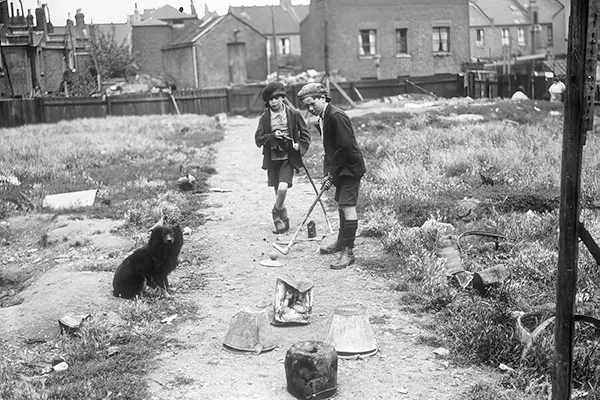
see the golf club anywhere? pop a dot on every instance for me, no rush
(316, 190)
(285, 250)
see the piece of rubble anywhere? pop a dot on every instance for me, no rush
(70, 324)
(61, 201)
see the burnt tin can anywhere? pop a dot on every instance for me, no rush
(312, 229)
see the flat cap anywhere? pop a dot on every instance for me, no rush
(313, 89)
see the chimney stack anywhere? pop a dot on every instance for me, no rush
(29, 18)
(4, 16)
(79, 22)
(40, 19)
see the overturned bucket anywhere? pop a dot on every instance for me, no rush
(250, 331)
(350, 332)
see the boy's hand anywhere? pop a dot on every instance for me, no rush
(278, 134)
(295, 146)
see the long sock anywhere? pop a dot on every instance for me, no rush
(350, 233)
(341, 231)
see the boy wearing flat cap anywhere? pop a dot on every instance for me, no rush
(283, 135)
(343, 165)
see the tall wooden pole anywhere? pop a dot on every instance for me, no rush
(574, 131)
(275, 51)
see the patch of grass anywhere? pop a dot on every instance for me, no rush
(134, 162)
(480, 331)
(104, 360)
(500, 174)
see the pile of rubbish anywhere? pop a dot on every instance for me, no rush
(140, 84)
(308, 76)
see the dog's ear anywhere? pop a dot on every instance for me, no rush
(160, 223)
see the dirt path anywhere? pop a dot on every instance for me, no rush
(235, 239)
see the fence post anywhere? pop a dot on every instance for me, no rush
(39, 105)
(460, 85)
(108, 106)
(229, 99)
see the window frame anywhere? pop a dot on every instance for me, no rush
(521, 37)
(401, 41)
(505, 37)
(284, 46)
(372, 43)
(480, 37)
(439, 40)
(549, 35)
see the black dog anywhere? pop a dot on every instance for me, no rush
(150, 264)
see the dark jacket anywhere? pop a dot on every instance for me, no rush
(342, 155)
(297, 130)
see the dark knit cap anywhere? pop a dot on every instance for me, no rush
(273, 89)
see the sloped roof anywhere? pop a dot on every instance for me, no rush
(546, 9)
(260, 18)
(151, 22)
(168, 12)
(510, 12)
(193, 32)
(198, 29)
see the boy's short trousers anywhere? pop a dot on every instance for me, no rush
(280, 171)
(346, 190)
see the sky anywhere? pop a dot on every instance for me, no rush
(116, 11)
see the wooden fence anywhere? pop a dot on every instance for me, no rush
(234, 100)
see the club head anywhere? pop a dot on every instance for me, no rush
(283, 250)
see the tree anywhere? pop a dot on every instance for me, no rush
(110, 59)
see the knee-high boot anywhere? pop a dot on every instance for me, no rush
(347, 254)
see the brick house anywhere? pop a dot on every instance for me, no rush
(383, 39)
(34, 55)
(287, 18)
(216, 52)
(501, 29)
(153, 30)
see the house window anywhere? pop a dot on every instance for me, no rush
(367, 42)
(550, 35)
(441, 40)
(284, 46)
(480, 41)
(505, 37)
(521, 37)
(401, 41)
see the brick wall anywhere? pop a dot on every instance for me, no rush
(179, 67)
(20, 70)
(347, 17)
(212, 53)
(54, 65)
(146, 44)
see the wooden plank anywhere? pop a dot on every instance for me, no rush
(174, 104)
(343, 93)
(358, 93)
(574, 130)
(421, 88)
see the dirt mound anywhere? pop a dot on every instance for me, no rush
(56, 265)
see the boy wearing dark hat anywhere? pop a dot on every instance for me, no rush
(283, 135)
(344, 166)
